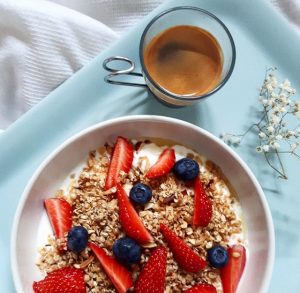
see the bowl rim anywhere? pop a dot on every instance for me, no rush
(137, 118)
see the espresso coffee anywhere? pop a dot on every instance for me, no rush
(184, 60)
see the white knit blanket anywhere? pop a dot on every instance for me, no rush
(42, 43)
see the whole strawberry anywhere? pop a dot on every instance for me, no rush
(64, 280)
(189, 260)
(152, 277)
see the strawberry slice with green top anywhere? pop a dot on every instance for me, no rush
(233, 270)
(121, 160)
(202, 205)
(64, 280)
(201, 288)
(153, 275)
(130, 220)
(119, 275)
(187, 259)
(60, 215)
(164, 164)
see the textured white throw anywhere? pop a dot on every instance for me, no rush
(42, 43)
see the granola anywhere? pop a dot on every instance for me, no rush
(172, 203)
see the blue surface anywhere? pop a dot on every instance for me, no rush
(262, 38)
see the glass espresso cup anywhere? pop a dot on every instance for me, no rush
(185, 17)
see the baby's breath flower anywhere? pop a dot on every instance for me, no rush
(282, 109)
(286, 86)
(271, 102)
(259, 149)
(270, 129)
(293, 147)
(297, 107)
(284, 100)
(275, 120)
(236, 140)
(269, 87)
(222, 135)
(230, 139)
(276, 100)
(275, 145)
(265, 148)
(273, 80)
(290, 133)
(274, 95)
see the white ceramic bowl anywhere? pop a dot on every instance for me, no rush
(30, 224)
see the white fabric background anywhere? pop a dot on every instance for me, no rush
(44, 42)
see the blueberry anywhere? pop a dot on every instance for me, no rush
(77, 239)
(127, 251)
(217, 256)
(140, 193)
(186, 169)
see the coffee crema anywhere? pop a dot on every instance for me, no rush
(184, 60)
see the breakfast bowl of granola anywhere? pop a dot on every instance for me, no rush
(143, 204)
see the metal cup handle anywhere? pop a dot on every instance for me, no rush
(117, 72)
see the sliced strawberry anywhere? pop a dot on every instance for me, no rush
(64, 280)
(121, 160)
(232, 272)
(130, 220)
(163, 165)
(153, 275)
(202, 205)
(60, 215)
(119, 275)
(201, 288)
(183, 254)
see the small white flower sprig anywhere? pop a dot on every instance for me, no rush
(273, 131)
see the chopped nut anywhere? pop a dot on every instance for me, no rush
(209, 245)
(192, 241)
(168, 199)
(84, 264)
(150, 245)
(110, 191)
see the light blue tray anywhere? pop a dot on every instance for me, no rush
(262, 38)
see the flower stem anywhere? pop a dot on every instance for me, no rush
(281, 165)
(296, 155)
(281, 174)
